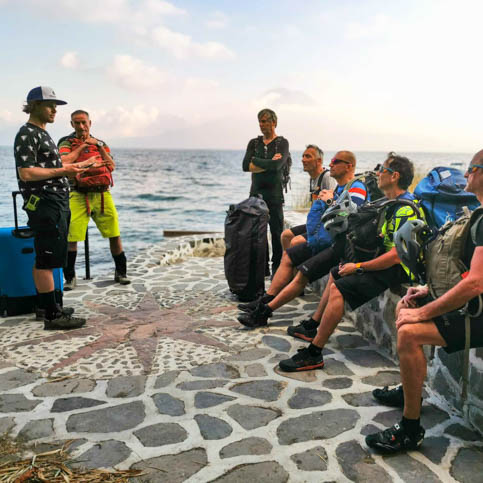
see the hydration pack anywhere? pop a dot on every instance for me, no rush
(317, 236)
(94, 180)
(443, 196)
(369, 178)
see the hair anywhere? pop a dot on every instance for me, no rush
(267, 112)
(404, 167)
(79, 111)
(30, 106)
(317, 150)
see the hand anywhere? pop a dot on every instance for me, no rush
(413, 294)
(91, 140)
(276, 157)
(347, 269)
(325, 195)
(409, 316)
(72, 169)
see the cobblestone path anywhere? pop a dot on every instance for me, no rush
(163, 378)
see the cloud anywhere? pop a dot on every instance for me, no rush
(217, 20)
(182, 46)
(376, 26)
(70, 60)
(132, 73)
(286, 97)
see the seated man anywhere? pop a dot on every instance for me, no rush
(357, 283)
(436, 322)
(283, 289)
(320, 179)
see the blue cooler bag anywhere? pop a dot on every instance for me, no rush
(17, 257)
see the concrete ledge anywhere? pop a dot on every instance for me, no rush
(376, 321)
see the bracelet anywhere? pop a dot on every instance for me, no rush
(358, 265)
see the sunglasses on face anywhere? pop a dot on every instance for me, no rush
(337, 161)
(385, 169)
(473, 167)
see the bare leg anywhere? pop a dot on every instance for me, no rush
(412, 362)
(115, 245)
(323, 300)
(333, 313)
(282, 276)
(292, 290)
(43, 279)
(286, 238)
(297, 240)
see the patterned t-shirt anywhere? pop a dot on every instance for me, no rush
(34, 148)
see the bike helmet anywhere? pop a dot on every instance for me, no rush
(336, 218)
(409, 240)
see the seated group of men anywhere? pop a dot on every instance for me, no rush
(420, 319)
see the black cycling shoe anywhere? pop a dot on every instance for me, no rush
(302, 361)
(394, 439)
(257, 318)
(251, 306)
(303, 331)
(390, 397)
(40, 313)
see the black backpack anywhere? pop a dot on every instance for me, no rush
(369, 178)
(286, 181)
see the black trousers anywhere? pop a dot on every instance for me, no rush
(276, 227)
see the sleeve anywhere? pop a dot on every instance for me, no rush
(269, 164)
(358, 193)
(328, 183)
(248, 154)
(65, 146)
(477, 235)
(26, 146)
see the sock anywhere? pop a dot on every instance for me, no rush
(69, 270)
(411, 426)
(121, 263)
(311, 324)
(314, 350)
(267, 298)
(47, 302)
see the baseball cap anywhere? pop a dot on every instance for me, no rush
(43, 93)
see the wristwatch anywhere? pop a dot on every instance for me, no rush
(329, 201)
(100, 144)
(359, 269)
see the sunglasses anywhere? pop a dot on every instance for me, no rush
(385, 169)
(337, 161)
(473, 167)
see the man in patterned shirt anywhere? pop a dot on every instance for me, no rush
(45, 190)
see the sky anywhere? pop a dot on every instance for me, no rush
(344, 74)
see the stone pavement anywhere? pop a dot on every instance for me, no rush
(163, 378)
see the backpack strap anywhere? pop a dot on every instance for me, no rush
(466, 360)
(478, 214)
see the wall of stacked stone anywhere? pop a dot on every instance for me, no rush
(376, 321)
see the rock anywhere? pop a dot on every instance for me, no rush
(167, 404)
(367, 358)
(369, 429)
(111, 419)
(197, 385)
(255, 370)
(126, 386)
(69, 386)
(467, 467)
(268, 472)
(71, 403)
(383, 378)
(276, 343)
(432, 416)
(250, 355)
(462, 432)
(161, 434)
(333, 367)
(350, 341)
(216, 370)
(6, 424)
(212, 428)
(58, 444)
(388, 418)
(41, 428)
(434, 448)
(358, 465)
(308, 398)
(337, 383)
(171, 468)
(267, 390)
(166, 379)
(209, 399)
(304, 376)
(363, 399)
(105, 454)
(16, 403)
(317, 425)
(251, 417)
(247, 446)
(410, 470)
(314, 459)
(16, 378)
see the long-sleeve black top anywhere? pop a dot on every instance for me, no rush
(268, 183)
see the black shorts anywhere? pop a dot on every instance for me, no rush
(50, 224)
(299, 230)
(359, 289)
(313, 266)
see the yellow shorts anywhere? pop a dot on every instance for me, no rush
(107, 222)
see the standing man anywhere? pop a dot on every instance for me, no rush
(320, 179)
(45, 190)
(90, 196)
(265, 157)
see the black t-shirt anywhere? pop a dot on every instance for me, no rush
(470, 244)
(34, 148)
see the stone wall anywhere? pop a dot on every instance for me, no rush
(375, 320)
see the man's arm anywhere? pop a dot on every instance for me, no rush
(277, 162)
(247, 160)
(67, 154)
(104, 151)
(39, 174)
(383, 262)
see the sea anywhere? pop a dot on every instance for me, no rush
(157, 190)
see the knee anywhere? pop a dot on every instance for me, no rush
(406, 338)
(287, 235)
(297, 240)
(335, 294)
